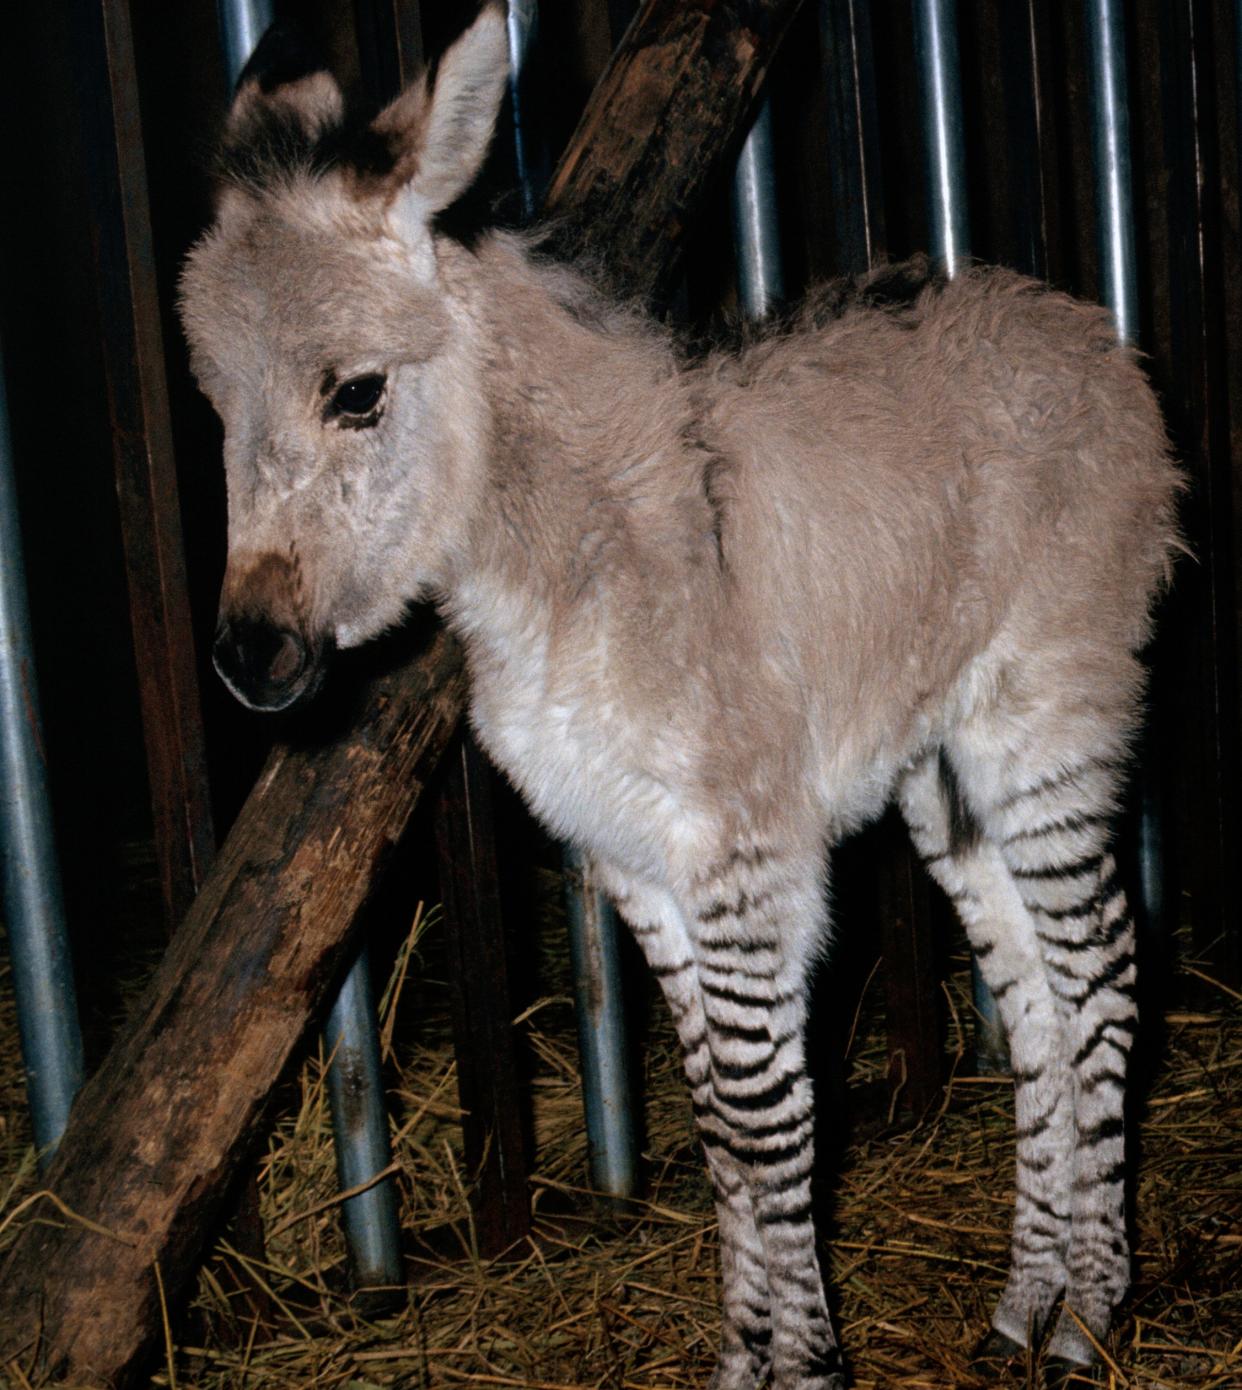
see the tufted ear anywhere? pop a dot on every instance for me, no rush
(285, 86)
(438, 137)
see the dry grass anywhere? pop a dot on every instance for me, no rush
(918, 1223)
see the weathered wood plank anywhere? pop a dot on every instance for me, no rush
(487, 1084)
(163, 1126)
(160, 1131)
(146, 474)
(671, 105)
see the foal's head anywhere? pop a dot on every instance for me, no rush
(321, 331)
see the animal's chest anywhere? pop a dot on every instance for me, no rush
(591, 766)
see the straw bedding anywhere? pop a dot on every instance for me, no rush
(917, 1216)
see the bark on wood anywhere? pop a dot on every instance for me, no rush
(161, 1129)
(158, 1133)
(670, 108)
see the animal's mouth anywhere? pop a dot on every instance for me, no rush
(267, 667)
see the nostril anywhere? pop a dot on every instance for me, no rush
(287, 659)
(259, 660)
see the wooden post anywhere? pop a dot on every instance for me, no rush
(146, 477)
(163, 1126)
(482, 1029)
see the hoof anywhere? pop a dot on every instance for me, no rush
(994, 1354)
(1060, 1374)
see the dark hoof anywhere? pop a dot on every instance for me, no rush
(1060, 1374)
(996, 1353)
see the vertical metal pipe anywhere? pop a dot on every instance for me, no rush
(1110, 140)
(602, 1046)
(1114, 206)
(940, 90)
(47, 1011)
(1110, 146)
(522, 19)
(360, 1130)
(242, 23)
(594, 931)
(359, 1124)
(756, 228)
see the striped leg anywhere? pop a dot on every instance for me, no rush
(756, 920)
(659, 928)
(1055, 831)
(973, 872)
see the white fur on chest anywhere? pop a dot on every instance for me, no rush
(589, 768)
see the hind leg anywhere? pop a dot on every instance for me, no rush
(1042, 774)
(1055, 831)
(972, 871)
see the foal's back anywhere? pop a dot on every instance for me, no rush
(977, 467)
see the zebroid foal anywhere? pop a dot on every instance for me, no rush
(718, 612)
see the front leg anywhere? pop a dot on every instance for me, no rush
(660, 930)
(756, 919)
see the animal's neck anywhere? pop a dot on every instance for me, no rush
(592, 482)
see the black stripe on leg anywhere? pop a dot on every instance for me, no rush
(770, 1096)
(1074, 868)
(964, 829)
(1099, 1036)
(1111, 1127)
(1066, 825)
(1056, 780)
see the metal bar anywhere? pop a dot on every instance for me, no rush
(242, 23)
(356, 1094)
(940, 90)
(602, 1045)
(522, 25)
(756, 226)
(47, 1012)
(594, 931)
(1114, 202)
(903, 902)
(1110, 141)
(360, 1131)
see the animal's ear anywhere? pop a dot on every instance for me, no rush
(439, 137)
(284, 84)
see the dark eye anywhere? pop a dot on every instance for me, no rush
(359, 396)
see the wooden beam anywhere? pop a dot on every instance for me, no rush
(160, 1131)
(670, 107)
(162, 1128)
